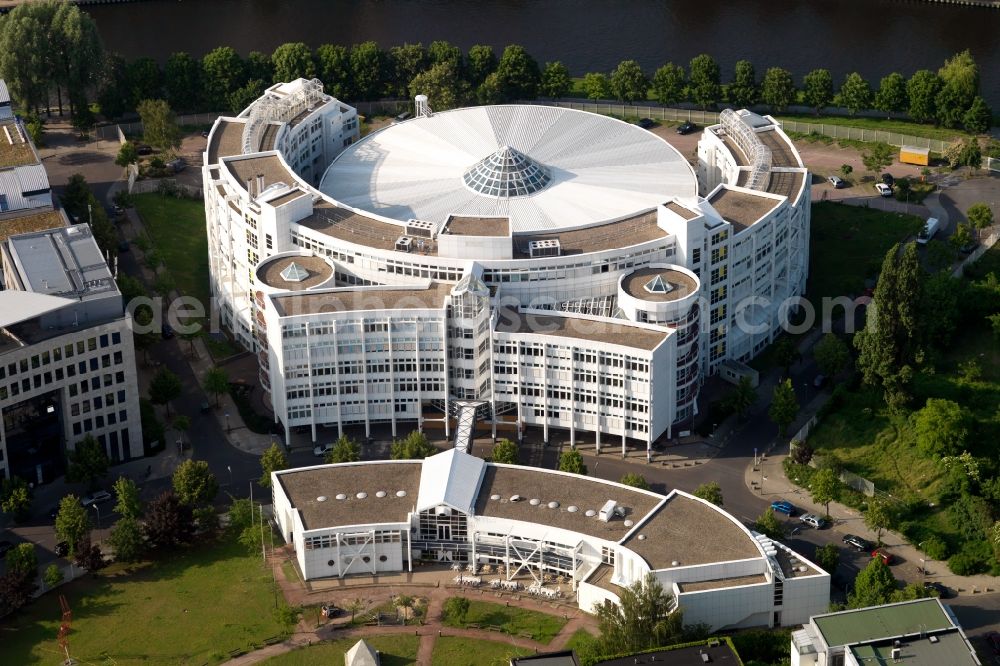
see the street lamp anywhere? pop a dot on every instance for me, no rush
(227, 422)
(230, 475)
(596, 464)
(762, 480)
(97, 508)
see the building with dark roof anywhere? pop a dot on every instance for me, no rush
(536, 526)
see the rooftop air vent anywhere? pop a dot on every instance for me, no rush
(548, 247)
(361, 495)
(572, 508)
(400, 493)
(321, 498)
(534, 501)
(404, 244)
(341, 496)
(494, 497)
(590, 513)
(553, 505)
(515, 498)
(628, 523)
(380, 493)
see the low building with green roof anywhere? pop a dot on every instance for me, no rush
(923, 632)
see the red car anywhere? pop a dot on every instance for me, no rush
(886, 556)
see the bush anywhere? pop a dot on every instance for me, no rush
(802, 453)
(157, 163)
(975, 557)
(935, 548)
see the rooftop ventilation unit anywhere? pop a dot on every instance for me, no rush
(544, 248)
(608, 511)
(420, 228)
(404, 244)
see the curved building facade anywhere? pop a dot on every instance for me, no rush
(523, 265)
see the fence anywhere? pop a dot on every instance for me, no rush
(804, 431)
(992, 164)
(113, 132)
(987, 238)
(154, 185)
(636, 111)
(865, 135)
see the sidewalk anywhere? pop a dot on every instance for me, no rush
(227, 414)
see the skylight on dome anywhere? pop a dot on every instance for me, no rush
(506, 173)
(659, 286)
(294, 273)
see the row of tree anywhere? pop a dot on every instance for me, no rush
(222, 80)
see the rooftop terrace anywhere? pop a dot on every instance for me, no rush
(289, 305)
(741, 209)
(582, 329)
(640, 228)
(14, 149)
(463, 225)
(227, 140)
(868, 624)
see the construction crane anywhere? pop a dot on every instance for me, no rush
(64, 629)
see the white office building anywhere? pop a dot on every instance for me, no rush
(534, 526)
(509, 265)
(67, 362)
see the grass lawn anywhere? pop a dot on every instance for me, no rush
(177, 228)
(395, 650)
(847, 245)
(580, 638)
(193, 609)
(541, 627)
(879, 124)
(454, 651)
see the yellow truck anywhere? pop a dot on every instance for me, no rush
(915, 155)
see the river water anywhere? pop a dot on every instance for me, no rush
(873, 37)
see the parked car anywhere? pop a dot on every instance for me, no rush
(320, 451)
(837, 182)
(97, 497)
(938, 589)
(143, 149)
(969, 247)
(883, 189)
(405, 115)
(888, 179)
(4, 547)
(204, 134)
(166, 331)
(814, 520)
(819, 381)
(781, 506)
(856, 542)
(62, 549)
(883, 555)
(330, 611)
(686, 128)
(646, 123)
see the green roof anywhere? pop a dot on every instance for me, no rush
(868, 624)
(950, 649)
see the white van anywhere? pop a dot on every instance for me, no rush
(927, 233)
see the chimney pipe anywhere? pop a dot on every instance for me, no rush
(260, 183)
(250, 187)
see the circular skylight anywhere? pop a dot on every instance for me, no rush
(506, 173)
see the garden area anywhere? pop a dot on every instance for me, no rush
(538, 626)
(395, 650)
(457, 651)
(193, 607)
(177, 230)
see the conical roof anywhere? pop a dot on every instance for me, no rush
(294, 273)
(506, 173)
(658, 285)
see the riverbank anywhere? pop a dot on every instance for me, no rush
(7, 5)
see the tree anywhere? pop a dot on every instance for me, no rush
(168, 521)
(293, 60)
(628, 83)
(216, 383)
(922, 90)
(891, 94)
(441, 51)
(127, 539)
(504, 451)
(979, 117)
(668, 84)
(828, 557)
(455, 609)
(873, 586)
(979, 215)
(72, 522)
(961, 237)
(643, 618)
(194, 483)
(259, 66)
(778, 88)
(855, 93)
(15, 498)
(710, 492)
(143, 80)
(222, 73)
(443, 86)
(412, 447)
(182, 82)
(596, 85)
(571, 461)
(742, 91)
(23, 560)
(490, 91)
(888, 343)
(368, 65)
(164, 387)
(128, 504)
(518, 74)
(959, 86)
(83, 117)
(24, 37)
(784, 406)
(406, 62)
(832, 354)
(846, 170)
(241, 515)
(344, 450)
(823, 488)
(159, 126)
(879, 516)
(88, 462)
(15, 590)
(703, 81)
(817, 89)
(245, 95)
(53, 576)
(942, 428)
(145, 334)
(877, 157)
(273, 460)
(75, 51)
(556, 82)
(786, 354)
(76, 197)
(333, 65)
(480, 62)
(635, 480)
(742, 397)
(127, 154)
(112, 86)
(939, 306)
(769, 525)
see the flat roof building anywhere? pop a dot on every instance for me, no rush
(536, 525)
